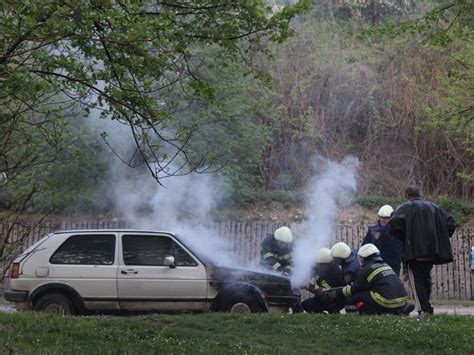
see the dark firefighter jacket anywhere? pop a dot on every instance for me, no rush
(350, 267)
(328, 276)
(380, 280)
(275, 258)
(425, 230)
(390, 247)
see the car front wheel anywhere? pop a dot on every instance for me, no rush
(55, 303)
(242, 304)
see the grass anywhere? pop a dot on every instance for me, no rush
(239, 334)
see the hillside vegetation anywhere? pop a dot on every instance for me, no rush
(402, 105)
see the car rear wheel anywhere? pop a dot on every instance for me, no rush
(55, 303)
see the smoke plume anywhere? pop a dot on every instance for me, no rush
(333, 186)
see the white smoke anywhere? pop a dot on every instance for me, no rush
(181, 205)
(334, 186)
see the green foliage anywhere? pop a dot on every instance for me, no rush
(224, 333)
(376, 201)
(452, 105)
(124, 59)
(68, 181)
(287, 198)
(458, 208)
(443, 24)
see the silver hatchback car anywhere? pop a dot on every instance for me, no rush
(84, 271)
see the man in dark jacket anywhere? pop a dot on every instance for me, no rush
(276, 251)
(425, 230)
(379, 235)
(326, 274)
(377, 289)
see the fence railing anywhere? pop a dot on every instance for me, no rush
(452, 281)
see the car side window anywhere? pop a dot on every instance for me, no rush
(86, 250)
(152, 250)
(182, 257)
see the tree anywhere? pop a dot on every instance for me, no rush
(123, 59)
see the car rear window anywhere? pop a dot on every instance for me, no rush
(152, 250)
(86, 250)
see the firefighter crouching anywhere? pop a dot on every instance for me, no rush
(377, 288)
(326, 274)
(276, 251)
(346, 258)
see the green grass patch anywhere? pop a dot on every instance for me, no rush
(236, 334)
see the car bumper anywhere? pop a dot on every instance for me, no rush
(284, 300)
(16, 296)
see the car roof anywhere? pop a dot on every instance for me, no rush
(111, 230)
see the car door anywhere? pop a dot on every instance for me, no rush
(87, 263)
(146, 283)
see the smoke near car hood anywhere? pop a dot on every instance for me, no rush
(333, 185)
(183, 204)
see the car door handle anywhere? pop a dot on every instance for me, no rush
(129, 272)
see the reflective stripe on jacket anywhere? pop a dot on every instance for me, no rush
(384, 285)
(275, 258)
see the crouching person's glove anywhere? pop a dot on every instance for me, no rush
(330, 294)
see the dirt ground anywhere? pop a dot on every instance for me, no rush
(274, 212)
(277, 212)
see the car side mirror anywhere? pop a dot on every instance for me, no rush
(169, 261)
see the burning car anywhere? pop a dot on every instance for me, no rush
(76, 272)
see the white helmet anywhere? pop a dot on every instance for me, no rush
(340, 250)
(324, 256)
(283, 234)
(385, 211)
(367, 250)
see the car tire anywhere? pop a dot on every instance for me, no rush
(55, 303)
(242, 303)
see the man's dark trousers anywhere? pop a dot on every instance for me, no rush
(419, 274)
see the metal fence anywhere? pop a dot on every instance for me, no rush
(452, 281)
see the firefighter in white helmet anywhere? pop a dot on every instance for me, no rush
(346, 258)
(326, 274)
(377, 289)
(276, 251)
(379, 234)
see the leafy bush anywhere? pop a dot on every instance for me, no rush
(457, 207)
(373, 201)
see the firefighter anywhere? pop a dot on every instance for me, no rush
(276, 251)
(379, 235)
(326, 274)
(346, 258)
(377, 289)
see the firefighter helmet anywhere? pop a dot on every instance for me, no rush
(324, 256)
(283, 234)
(368, 250)
(340, 250)
(385, 211)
